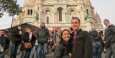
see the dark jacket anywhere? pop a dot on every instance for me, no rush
(82, 47)
(16, 37)
(62, 50)
(110, 35)
(4, 41)
(25, 38)
(95, 37)
(42, 35)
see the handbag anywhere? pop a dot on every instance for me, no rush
(27, 45)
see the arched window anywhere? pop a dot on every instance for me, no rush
(47, 19)
(38, 8)
(47, 16)
(31, 12)
(60, 13)
(72, 13)
(28, 11)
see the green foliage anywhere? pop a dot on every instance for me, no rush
(9, 6)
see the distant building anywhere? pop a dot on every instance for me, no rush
(59, 13)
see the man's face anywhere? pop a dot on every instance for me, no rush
(41, 24)
(106, 23)
(19, 27)
(75, 24)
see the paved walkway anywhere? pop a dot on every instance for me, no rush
(51, 55)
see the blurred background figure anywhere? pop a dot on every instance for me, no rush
(42, 36)
(4, 43)
(97, 43)
(28, 40)
(56, 36)
(16, 40)
(109, 39)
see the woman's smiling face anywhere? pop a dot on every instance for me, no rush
(66, 35)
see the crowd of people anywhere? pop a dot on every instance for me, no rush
(67, 43)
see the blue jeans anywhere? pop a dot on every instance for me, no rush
(14, 49)
(42, 50)
(110, 51)
(36, 47)
(97, 49)
(2, 54)
(25, 54)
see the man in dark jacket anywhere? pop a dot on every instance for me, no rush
(82, 46)
(109, 39)
(42, 36)
(97, 43)
(16, 39)
(4, 42)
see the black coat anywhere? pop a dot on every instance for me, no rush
(42, 35)
(62, 50)
(25, 38)
(16, 37)
(95, 37)
(110, 35)
(4, 41)
(82, 47)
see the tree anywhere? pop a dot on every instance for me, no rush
(9, 6)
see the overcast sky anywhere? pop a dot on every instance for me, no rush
(105, 8)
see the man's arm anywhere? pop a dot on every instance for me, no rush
(113, 33)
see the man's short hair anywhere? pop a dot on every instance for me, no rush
(76, 18)
(106, 20)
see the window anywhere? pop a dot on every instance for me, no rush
(60, 14)
(47, 18)
(72, 13)
(38, 8)
(30, 11)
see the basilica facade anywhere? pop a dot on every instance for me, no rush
(59, 13)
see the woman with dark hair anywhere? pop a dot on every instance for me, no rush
(64, 48)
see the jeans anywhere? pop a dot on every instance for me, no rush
(42, 50)
(110, 51)
(2, 54)
(97, 49)
(14, 49)
(36, 47)
(25, 54)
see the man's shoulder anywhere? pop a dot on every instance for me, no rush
(83, 31)
(111, 26)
